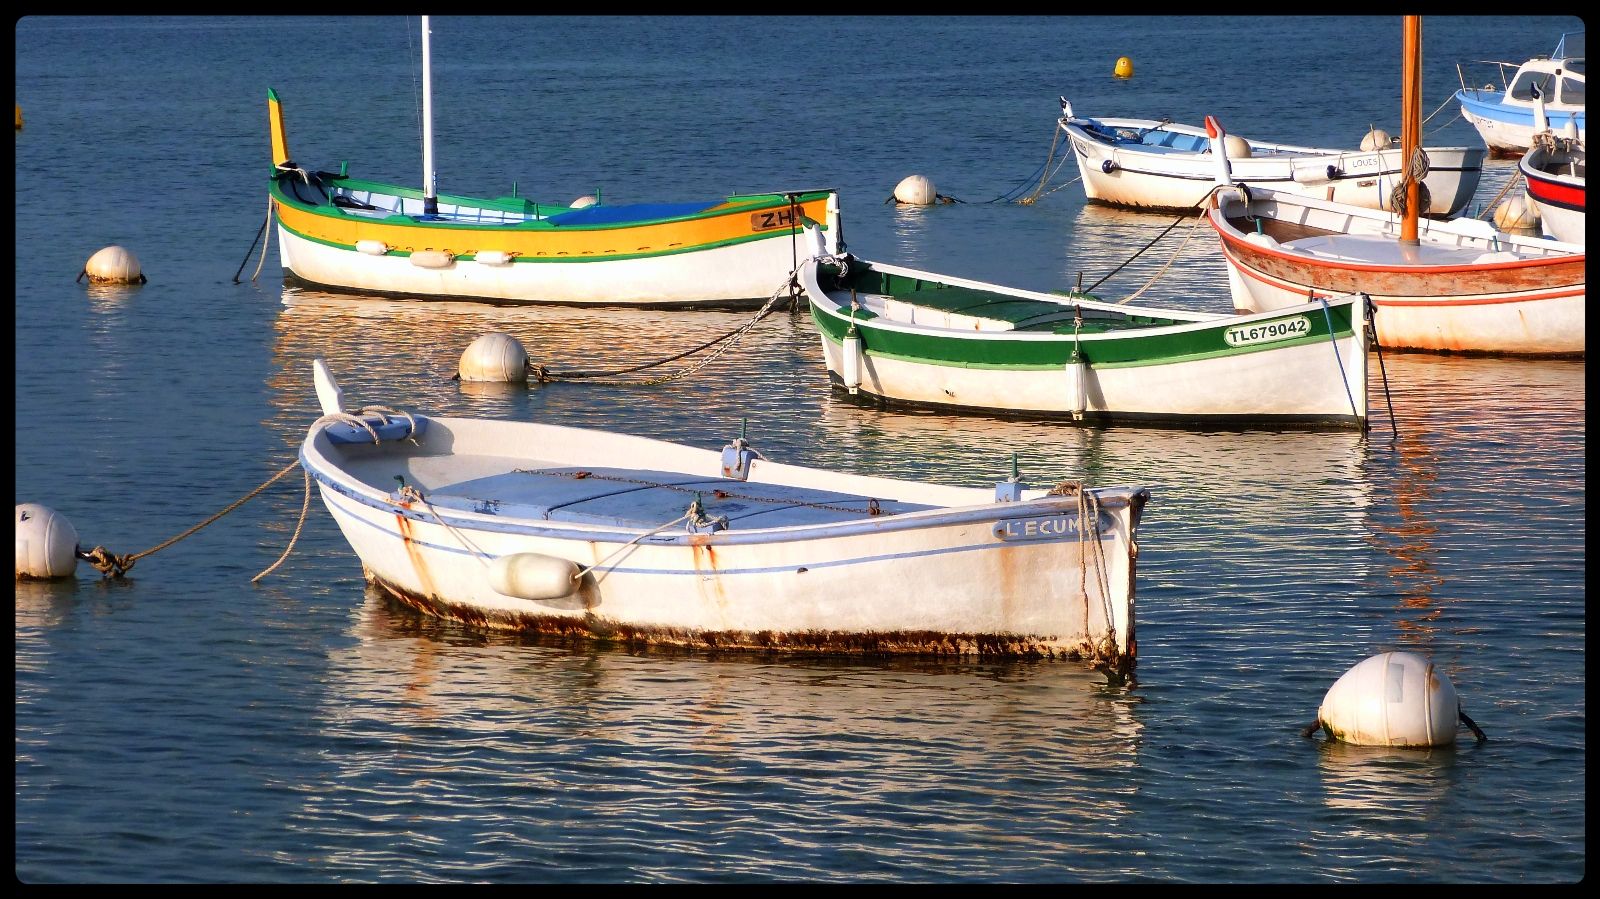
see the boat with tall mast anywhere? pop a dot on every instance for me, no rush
(1454, 286)
(343, 233)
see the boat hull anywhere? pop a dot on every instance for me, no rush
(1529, 307)
(1557, 190)
(719, 260)
(1304, 367)
(1507, 130)
(939, 582)
(1176, 181)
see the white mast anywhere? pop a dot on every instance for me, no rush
(430, 200)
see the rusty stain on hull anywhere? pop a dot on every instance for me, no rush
(936, 644)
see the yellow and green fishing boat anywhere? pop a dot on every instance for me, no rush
(343, 233)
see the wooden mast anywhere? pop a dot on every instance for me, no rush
(430, 199)
(1411, 124)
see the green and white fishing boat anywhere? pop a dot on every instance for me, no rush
(896, 336)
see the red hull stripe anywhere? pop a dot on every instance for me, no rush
(1567, 196)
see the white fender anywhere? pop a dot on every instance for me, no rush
(533, 576)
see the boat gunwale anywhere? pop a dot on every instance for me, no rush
(1281, 151)
(323, 467)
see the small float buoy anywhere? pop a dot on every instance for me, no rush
(47, 543)
(1516, 214)
(494, 357)
(1392, 699)
(492, 257)
(114, 265)
(432, 258)
(1568, 131)
(586, 201)
(1376, 139)
(915, 190)
(850, 363)
(372, 247)
(1123, 68)
(533, 576)
(1238, 147)
(19, 116)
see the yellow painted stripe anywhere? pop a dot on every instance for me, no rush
(280, 141)
(536, 241)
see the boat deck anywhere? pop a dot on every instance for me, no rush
(619, 497)
(1386, 250)
(941, 305)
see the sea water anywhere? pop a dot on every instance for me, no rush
(182, 724)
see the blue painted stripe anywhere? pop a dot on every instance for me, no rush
(684, 572)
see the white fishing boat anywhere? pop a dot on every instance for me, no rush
(1503, 112)
(901, 337)
(342, 233)
(1454, 286)
(1554, 172)
(1147, 164)
(557, 530)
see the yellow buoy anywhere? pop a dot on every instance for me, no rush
(1124, 68)
(114, 265)
(19, 116)
(1516, 214)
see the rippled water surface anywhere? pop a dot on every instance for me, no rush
(184, 725)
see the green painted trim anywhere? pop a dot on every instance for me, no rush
(1106, 349)
(272, 95)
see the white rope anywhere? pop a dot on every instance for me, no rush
(268, 241)
(580, 575)
(1153, 278)
(409, 492)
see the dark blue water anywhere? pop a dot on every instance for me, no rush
(184, 725)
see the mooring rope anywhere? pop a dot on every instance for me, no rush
(111, 565)
(1089, 532)
(305, 506)
(541, 373)
(1164, 232)
(1155, 277)
(267, 243)
(1370, 310)
(409, 492)
(1489, 209)
(1416, 170)
(246, 260)
(1333, 338)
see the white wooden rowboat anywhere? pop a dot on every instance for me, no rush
(903, 337)
(558, 530)
(1147, 164)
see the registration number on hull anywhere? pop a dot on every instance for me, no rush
(1267, 332)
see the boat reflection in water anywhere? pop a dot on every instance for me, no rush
(633, 743)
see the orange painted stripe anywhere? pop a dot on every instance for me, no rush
(1483, 300)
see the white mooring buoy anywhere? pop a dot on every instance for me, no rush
(114, 265)
(1376, 139)
(915, 190)
(1516, 214)
(586, 201)
(494, 357)
(47, 543)
(1392, 699)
